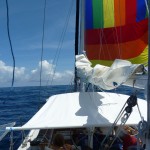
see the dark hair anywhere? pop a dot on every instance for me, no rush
(58, 140)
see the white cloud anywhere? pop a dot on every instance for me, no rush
(49, 75)
(64, 77)
(22, 78)
(7, 71)
(47, 71)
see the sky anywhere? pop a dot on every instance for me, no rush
(26, 30)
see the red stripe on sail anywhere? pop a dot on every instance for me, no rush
(126, 50)
(131, 10)
(116, 34)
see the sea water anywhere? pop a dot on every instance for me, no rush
(19, 104)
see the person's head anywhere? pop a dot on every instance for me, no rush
(58, 140)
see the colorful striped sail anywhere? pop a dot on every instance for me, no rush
(116, 29)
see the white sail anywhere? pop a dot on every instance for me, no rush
(105, 77)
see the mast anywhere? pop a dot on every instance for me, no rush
(82, 27)
(77, 28)
(148, 85)
(81, 51)
(76, 41)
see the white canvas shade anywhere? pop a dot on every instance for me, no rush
(82, 109)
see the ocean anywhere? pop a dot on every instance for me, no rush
(19, 104)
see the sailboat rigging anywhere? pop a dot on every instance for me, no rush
(113, 38)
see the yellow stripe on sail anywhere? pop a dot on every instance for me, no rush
(141, 59)
(108, 8)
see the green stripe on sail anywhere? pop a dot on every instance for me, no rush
(98, 19)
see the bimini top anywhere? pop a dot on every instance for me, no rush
(86, 109)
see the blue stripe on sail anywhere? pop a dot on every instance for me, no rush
(88, 14)
(141, 10)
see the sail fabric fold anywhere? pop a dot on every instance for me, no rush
(104, 77)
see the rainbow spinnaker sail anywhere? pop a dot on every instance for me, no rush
(116, 29)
